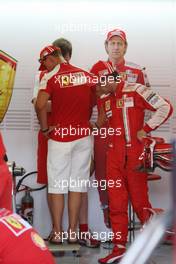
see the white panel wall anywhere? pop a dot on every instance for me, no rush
(25, 27)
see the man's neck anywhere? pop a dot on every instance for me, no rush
(57, 65)
(62, 60)
(116, 61)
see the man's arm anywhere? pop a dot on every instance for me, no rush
(48, 106)
(41, 110)
(101, 119)
(154, 102)
(106, 89)
(35, 92)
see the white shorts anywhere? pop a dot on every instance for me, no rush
(68, 165)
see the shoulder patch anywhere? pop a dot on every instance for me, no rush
(130, 87)
(145, 92)
(133, 65)
(38, 241)
(47, 77)
(15, 224)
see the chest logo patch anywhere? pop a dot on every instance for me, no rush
(129, 102)
(126, 102)
(120, 103)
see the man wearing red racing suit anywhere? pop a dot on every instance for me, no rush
(20, 243)
(125, 110)
(115, 45)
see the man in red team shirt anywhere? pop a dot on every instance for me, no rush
(116, 46)
(20, 243)
(87, 239)
(5, 180)
(125, 105)
(69, 146)
(48, 65)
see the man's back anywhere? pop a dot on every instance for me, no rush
(71, 90)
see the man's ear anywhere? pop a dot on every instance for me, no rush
(126, 46)
(106, 46)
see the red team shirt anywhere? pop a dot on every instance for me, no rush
(72, 93)
(129, 71)
(126, 108)
(20, 243)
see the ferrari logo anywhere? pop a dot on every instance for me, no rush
(14, 222)
(108, 105)
(7, 77)
(16, 225)
(38, 241)
(65, 80)
(119, 103)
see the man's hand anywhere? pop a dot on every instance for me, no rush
(48, 106)
(106, 88)
(100, 121)
(141, 134)
(41, 109)
(101, 117)
(46, 132)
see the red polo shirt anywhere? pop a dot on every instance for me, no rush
(72, 92)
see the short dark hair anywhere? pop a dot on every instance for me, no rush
(65, 46)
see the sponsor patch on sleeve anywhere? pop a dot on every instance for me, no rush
(15, 224)
(144, 91)
(107, 105)
(149, 96)
(153, 99)
(38, 241)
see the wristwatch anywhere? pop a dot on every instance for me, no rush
(45, 130)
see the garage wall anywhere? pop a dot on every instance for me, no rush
(151, 33)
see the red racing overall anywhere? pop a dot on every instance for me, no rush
(132, 73)
(125, 110)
